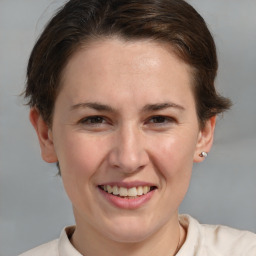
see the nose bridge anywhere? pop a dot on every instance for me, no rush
(129, 153)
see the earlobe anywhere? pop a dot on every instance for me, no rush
(44, 134)
(205, 139)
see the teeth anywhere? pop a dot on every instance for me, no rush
(124, 192)
(115, 190)
(140, 191)
(109, 189)
(132, 192)
(146, 189)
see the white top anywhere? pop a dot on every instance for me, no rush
(201, 240)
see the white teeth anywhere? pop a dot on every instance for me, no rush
(132, 192)
(115, 190)
(109, 189)
(140, 191)
(124, 192)
(146, 189)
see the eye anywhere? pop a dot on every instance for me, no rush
(92, 120)
(160, 121)
(95, 123)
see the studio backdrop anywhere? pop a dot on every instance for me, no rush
(33, 204)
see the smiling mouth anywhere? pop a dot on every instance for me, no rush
(129, 193)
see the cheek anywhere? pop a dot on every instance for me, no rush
(174, 162)
(80, 156)
(174, 155)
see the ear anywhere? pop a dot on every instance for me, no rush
(44, 134)
(205, 139)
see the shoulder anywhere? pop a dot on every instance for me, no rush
(217, 240)
(61, 246)
(229, 240)
(50, 248)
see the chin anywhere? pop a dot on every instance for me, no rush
(131, 236)
(130, 231)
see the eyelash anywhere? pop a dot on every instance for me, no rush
(157, 121)
(90, 120)
(162, 120)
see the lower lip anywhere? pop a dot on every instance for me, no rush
(125, 203)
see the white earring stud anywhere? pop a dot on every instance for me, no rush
(203, 154)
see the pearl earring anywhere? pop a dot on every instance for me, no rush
(203, 154)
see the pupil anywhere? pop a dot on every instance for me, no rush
(159, 119)
(96, 120)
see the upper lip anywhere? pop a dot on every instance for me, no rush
(128, 184)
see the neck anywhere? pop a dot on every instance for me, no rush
(166, 241)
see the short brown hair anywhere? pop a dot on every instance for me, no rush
(174, 22)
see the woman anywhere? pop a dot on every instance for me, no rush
(122, 98)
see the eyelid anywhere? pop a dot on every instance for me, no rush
(88, 118)
(167, 118)
(105, 121)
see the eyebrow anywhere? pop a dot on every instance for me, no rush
(161, 106)
(93, 105)
(107, 108)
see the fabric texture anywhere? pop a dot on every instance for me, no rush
(201, 240)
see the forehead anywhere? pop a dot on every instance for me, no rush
(123, 66)
(137, 55)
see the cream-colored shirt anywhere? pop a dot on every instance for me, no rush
(201, 240)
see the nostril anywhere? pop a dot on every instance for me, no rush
(128, 155)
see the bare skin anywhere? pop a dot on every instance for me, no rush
(125, 116)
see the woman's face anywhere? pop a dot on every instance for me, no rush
(125, 121)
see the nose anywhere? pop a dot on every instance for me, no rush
(128, 153)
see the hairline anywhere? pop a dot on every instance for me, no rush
(94, 39)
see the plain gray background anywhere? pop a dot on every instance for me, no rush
(33, 205)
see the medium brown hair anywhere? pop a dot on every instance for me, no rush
(174, 22)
